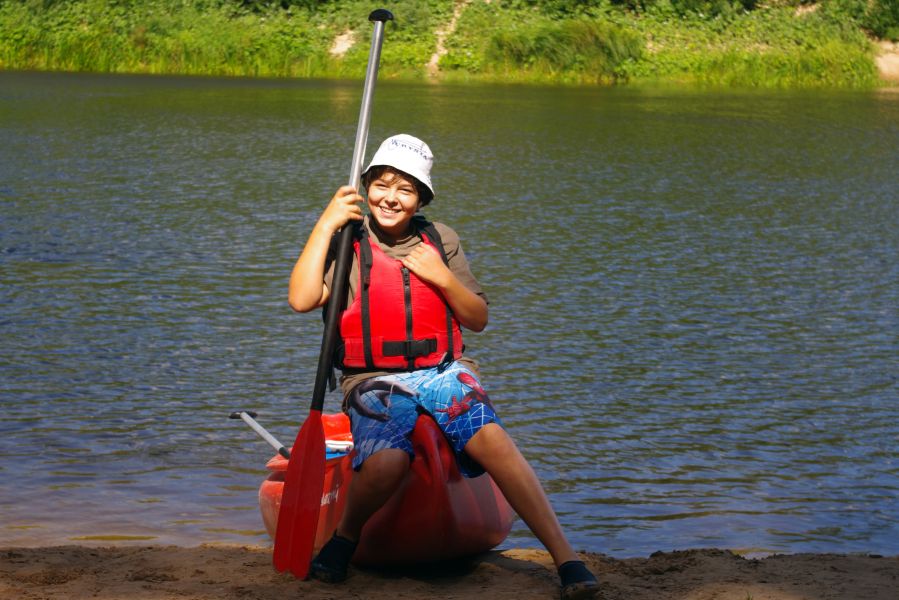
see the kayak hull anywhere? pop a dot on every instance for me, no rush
(436, 514)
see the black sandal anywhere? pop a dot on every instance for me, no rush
(578, 583)
(333, 559)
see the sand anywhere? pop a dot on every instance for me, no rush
(231, 572)
(888, 61)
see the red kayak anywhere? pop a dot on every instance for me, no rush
(436, 514)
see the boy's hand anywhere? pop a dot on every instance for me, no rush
(427, 264)
(345, 206)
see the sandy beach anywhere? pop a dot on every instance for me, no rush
(232, 572)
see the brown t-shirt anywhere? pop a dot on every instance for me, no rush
(398, 250)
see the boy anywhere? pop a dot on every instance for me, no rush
(415, 349)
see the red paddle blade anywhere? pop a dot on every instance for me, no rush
(301, 499)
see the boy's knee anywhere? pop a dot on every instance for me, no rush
(492, 439)
(385, 465)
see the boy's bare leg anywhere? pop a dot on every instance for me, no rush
(494, 450)
(370, 488)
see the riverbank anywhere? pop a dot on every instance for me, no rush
(772, 45)
(888, 62)
(226, 573)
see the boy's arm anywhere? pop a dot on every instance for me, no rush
(307, 289)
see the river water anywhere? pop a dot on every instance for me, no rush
(694, 301)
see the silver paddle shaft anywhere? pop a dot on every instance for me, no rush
(371, 75)
(273, 442)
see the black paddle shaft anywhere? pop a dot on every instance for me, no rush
(339, 282)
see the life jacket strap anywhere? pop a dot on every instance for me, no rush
(366, 260)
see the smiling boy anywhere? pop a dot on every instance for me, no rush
(411, 292)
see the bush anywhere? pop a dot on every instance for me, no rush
(156, 36)
(595, 49)
(882, 19)
(878, 17)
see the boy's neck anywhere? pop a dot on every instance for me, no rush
(390, 238)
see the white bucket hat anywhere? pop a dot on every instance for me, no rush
(408, 154)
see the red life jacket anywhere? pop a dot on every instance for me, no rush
(396, 321)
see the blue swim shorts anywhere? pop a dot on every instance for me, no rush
(383, 411)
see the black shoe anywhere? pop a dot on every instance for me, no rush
(333, 559)
(578, 583)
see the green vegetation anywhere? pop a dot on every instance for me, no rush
(207, 37)
(714, 42)
(773, 48)
(532, 46)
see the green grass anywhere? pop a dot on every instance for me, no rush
(554, 41)
(763, 48)
(529, 46)
(154, 37)
(768, 48)
(168, 36)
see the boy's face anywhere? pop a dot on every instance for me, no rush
(392, 201)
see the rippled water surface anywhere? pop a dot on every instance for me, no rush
(694, 301)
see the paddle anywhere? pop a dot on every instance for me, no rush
(301, 500)
(249, 417)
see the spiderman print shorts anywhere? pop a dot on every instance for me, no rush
(383, 411)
